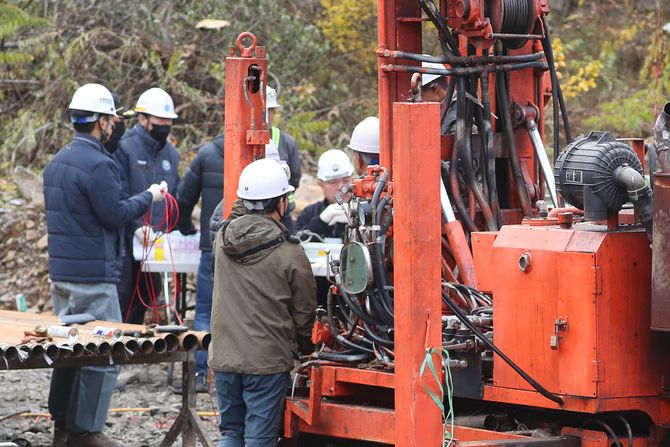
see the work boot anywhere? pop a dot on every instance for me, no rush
(201, 385)
(94, 439)
(60, 437)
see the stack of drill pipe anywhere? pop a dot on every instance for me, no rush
(12, 346)
(13, 324)
(12, 327)
(187, 341)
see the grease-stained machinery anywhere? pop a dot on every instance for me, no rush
(462, 309)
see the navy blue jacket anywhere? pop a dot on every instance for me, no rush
(309, 220)
(205, 175)
(288, 152)
(86, 213)
(144, 161)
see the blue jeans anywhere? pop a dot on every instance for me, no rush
(203, 305)
(79, 398)
(250, 408)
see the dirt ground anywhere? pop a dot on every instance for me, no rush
(142, 410)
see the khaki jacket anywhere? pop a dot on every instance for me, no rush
(263, 297)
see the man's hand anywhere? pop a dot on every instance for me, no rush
(145, 234)
(333, 214)
(158, 191)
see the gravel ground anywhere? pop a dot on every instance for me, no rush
(28, 390)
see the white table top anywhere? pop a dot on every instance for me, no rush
(187, 255)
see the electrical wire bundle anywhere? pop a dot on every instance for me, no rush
(152, 233)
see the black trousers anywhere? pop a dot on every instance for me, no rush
(131, 289)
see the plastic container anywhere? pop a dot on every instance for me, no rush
(21, 304)
(159, 250)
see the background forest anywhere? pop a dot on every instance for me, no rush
(613, 55)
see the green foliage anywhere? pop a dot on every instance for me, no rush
(609, 54)
(627, 117)
(13, 19)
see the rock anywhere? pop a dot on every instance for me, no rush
(11, 254)
(30, 224)
(43, 242)
(31, 235)
(30, 185)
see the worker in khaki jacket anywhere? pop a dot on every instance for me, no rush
(262, 309)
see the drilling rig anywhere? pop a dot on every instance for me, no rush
(463, 309)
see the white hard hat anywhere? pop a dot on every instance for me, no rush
(156, 102)
(334, 164)
(94, 98)
(271, 98)
(365, 137)
(427, 78)
(263, 179)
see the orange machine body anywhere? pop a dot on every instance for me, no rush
(572, 308)
(245, 128)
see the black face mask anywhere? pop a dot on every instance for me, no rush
(117, 133)
(160, 132)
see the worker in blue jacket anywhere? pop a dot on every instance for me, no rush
(86, 214)
(203, 177)
(145, 156)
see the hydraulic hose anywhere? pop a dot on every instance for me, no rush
(555, 85)
(376, 338)
(340, 339)
(506, 117)
(469, 60)
(356, 309)
(338, 357)
(490, 159)
(464, 124)
(378, 252)
(464, 319)
(454, 161)
(448, 41)
(465, 71)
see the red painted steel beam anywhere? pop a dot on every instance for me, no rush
(416, 180)
(245, 129)
(363, 423)
(395, 32)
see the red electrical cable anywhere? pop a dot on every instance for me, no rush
(167, 224)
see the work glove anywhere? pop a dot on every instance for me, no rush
(145, 232)
(333, 214)
(158, 191)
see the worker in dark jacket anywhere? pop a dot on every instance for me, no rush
(85, 218)
(326, 217)
(145, 157)
(286, 146)
(204, 176)
(262, 309)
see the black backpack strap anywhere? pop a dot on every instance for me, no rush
(264, 246)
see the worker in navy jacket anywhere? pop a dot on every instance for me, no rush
(145, 156)
(203, 177)
(326, 217)
(86, 214)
